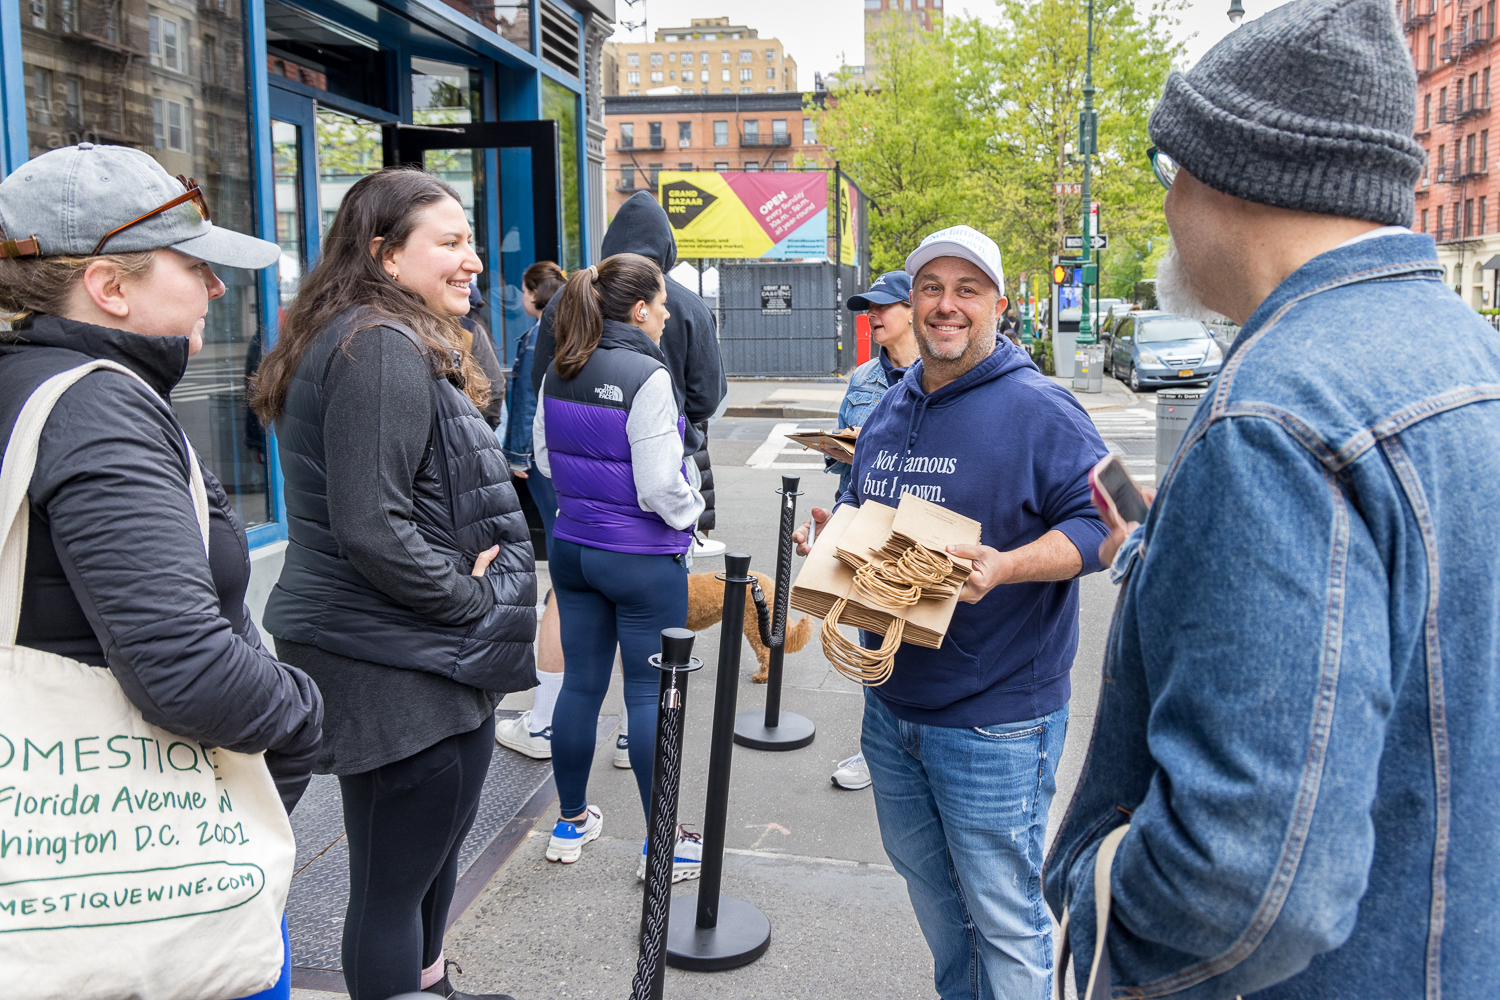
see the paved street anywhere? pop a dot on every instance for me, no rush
(805, 852)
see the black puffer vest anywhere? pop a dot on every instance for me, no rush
(462, 504)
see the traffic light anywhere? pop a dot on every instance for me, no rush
(1062, 275)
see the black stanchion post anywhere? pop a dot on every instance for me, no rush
(675, 663)
(778, 730)
(725, 933)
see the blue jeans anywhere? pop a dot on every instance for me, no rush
(962, 815)
(606, 598)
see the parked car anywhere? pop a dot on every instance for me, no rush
(1111, 322)
(1153, 350)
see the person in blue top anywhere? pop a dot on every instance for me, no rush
(530, 733)
(888, 304)
(963, 741)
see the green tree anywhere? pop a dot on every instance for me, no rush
(898, 142)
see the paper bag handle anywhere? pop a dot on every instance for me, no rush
(1103, 861)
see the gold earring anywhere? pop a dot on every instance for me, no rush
(394, 275)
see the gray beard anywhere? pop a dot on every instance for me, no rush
(1175, 292)
(979, 335)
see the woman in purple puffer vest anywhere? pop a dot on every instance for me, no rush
(608, 433)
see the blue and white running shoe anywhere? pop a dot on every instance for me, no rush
(687, 858)
(568, 838)
(622, 751)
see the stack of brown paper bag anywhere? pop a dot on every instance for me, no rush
(872, 532)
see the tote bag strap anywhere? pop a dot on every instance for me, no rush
(15, 480)
(1103, 862)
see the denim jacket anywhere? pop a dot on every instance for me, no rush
(1301, 692)
(522, 397)
(867, 384)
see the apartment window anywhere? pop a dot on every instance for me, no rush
(779, 166)
(746, 75)
(770, 72)
(809, 130)
(41, 95)
(627, 135)
(1484, 151)
(1440, 222)
(1442, 162)
(684, 133)
(671, 57)
(38, 11)
(1469, 162)
(687, 58)
(633, 77)
(162, 42)
(724, 57)
(684, 166)
(1469, 217)
(746, 56)
(633, 59)
(656, 76)
(671, 74)
(770, 55)
(724, 77)
(1431, 51)
(177, 126)
(208, 59)
(1424, 220)
(752, 132)
(67, 15)
(703, 58)
(1426, 112)
(634, 93)
(655, 128)
(770, 90)
(159, 122)
(73, 100)
(655, 173)
(751, 167)
(778, 129)
(687, 76)
(721, 133)
(656, 58)
(1486, 88)
(721, 166)
(1483, 212)
(627, 178)
(747, 90)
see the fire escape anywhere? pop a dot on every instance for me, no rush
(1468, 103)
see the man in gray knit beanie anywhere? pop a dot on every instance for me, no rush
(1290, 786)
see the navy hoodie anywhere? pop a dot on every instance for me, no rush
(1011, 449)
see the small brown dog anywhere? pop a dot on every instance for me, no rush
(706, 608)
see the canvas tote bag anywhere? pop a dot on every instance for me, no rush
(134, 864)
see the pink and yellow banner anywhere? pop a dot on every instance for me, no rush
(734, 214)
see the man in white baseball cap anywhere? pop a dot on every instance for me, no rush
(962, 742)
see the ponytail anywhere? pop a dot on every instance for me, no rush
(594, 294)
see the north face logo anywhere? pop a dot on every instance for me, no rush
(611, 393)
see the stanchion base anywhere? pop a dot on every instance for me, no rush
(794, 732)
(742, 936)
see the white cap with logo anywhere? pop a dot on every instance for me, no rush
(960, 241)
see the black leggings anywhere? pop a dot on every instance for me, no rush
(406, 822)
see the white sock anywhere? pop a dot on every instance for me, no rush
(432, 973)
(625, 724)
(546, 700)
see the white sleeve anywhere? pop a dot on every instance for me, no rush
(539, 433)
(656, 454)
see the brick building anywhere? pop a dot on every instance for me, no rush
(912, 16)
(646, 135)
(710, 55)
(1458, 199)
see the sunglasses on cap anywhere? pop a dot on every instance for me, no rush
(1163, 166)
(31, 246)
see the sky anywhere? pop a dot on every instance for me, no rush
(823, 34)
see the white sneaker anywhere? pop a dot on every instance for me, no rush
(852, 773)
(517, 735)
(687, 857)
(622, 751)
(568, 838)
(707, 548)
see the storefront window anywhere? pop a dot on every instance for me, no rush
(561, 104)
(168, 77)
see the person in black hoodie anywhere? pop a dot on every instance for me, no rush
(690, 340)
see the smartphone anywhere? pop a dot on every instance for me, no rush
(1119, 491)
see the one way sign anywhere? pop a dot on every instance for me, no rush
(1074, 241)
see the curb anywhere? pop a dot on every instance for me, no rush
(781, 412)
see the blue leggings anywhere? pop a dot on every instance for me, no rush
(605, 598)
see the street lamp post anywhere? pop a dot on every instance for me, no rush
(1236, 12)
(1087, 136)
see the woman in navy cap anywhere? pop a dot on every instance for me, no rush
(888, 304)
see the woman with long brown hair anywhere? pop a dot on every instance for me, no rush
(409, 587)
(609, 433)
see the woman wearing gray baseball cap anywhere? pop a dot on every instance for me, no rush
(104, 256)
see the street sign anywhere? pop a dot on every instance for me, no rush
(1074, 241)
(1068, 187)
